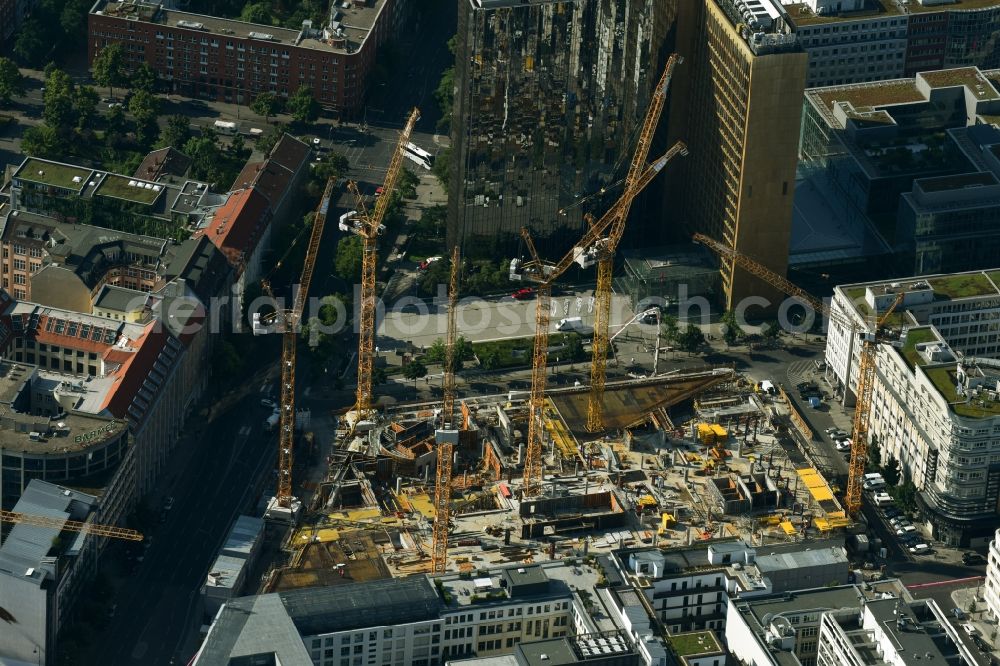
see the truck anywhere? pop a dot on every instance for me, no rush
(226, 127)
(574, 325)
(272, 422)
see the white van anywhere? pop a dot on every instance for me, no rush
(570, 324)
(225, 127)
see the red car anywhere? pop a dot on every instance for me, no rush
(523, 293)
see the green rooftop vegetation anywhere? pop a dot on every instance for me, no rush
(914, 337)
(118, 187)
(962, 285)
(700, 642)
(995, 276)
(54, 174)
(963, 76)
(943, 379)
(881, 93)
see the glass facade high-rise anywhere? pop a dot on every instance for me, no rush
(549, 98)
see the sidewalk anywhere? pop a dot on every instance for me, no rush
(980, 618)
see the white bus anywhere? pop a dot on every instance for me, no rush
(224, 127)
(420, 152)
(417, 159)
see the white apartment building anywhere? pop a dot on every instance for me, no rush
(42, 572)
(991, 590)
(849, 48)
(880, 625)
(935, 404)
(414, 621)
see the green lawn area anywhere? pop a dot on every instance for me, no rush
(698, 642)
(914, 337)
(118, 187)
(517, 351)
(962, 286)
(944, 381)
(53, 173)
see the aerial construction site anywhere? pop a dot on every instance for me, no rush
(470, 481)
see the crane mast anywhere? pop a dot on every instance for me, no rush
(450, 362)
(866, 366)
(289, 322)
(606, 252)
(109, 531)
(543, 275)
(369, 228)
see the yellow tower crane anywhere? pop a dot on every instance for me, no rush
(445, 450)
(543, 274)
(369, 228)
(109, 531)
(288, 322)
(450, 362)
(866, 368)
(604, 252)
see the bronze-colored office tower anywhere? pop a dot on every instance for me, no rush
(549, 95)
(737, 101)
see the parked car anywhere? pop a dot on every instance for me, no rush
(523, 293)
(844, 445)
(900, 521)
(969, 628)
(909, 529)
(972, 558)
(168, 503)
(920, 549)
(891, 511)
(425, 264)
(267, 402)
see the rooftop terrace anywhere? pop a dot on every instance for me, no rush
(694, 643)
(129, 189)
(944, 380)
(802, 15)
(914, 337)
(962, 76)
(53, 173)
(963, 285)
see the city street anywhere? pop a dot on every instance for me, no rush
(159, 606)
(483, 319)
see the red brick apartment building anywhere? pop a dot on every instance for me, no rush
(233, 61)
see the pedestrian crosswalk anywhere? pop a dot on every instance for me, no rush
(801, 371)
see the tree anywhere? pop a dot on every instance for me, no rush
(874, 455)
(227, 361)
(347, 263)
(11, 81)
(73, 20)
(303, 106)
(41, 141)
(692, 339)
(257, 12)
(109, 67)
(237, 147)
(31, 44)
(176, 133)
(891, 471)
(379, 376)
(432, 222)
(59, 112)
(442, 167)
(732, 332)
(144, 79)
(669, 328)
(144, 106)
(115, 137)
(85, 101)
(266, 141)
(206, 158)
(408, 182)
(490, 359)
(772, 331)
(445, 97)
(266, 104)
(414, 370)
